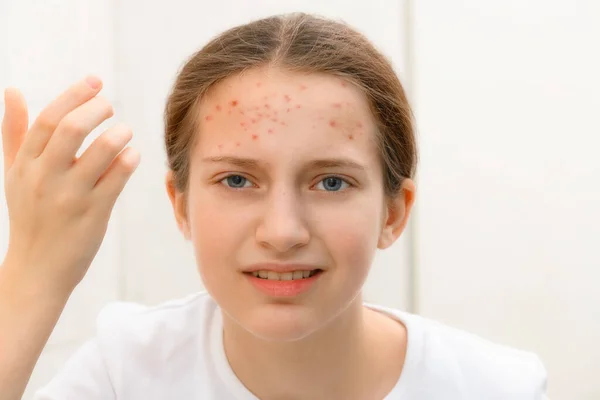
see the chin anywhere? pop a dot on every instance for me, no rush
(281, 322)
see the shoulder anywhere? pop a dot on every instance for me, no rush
(469, 364)
(139, 337)
(487, 367)
(146, 322)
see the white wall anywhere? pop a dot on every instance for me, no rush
(507, 102)
(505, 95)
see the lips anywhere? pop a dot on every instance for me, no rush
(280, 268)
(284, 276)
(284, 284)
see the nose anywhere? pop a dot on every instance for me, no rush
(282, 227)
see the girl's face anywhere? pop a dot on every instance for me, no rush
(286, 174)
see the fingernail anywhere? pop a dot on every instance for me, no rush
(94, 82)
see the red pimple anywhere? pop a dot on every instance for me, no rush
(302, 87)
(274, 119)
(337, 105)
(332, 123)
(237, 144)
(253, 120)
(254, 137)
(283, 123)
(209, 118)
(234, 103)
(298, 106)
(267, 106)
(287, 98)
(220, 147)
(259, 114)
(359, 124)
(258, 84)
(270, 131)
(288, 110)
(218, 107)
(344, 84)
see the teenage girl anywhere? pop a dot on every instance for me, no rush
(291, 155)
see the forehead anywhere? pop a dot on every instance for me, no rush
(268, 109)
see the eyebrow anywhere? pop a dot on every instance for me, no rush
(320, 163)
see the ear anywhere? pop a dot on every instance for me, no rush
(396, 214)
(179, 203)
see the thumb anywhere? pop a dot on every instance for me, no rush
(14, 125)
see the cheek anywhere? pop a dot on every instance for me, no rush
(352, 232)
(214, 228)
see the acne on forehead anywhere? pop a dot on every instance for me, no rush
(264, 115)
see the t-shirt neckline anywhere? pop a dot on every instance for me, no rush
(241, 392)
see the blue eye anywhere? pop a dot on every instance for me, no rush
(333, 184)
(236, 181)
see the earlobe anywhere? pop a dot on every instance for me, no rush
(179, 205)
(397, 214)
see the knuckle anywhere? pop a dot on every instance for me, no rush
(39, 190)
(110, 143)
(45, 123)
(18, 170)
(114, 140)
(66, 201)
(72, 126)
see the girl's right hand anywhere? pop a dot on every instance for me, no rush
(59, 205)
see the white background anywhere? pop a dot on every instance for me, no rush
(505, 238)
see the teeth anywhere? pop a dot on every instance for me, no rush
(284, 276)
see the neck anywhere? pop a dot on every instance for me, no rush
(348, 350)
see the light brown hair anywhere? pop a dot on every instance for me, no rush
(295, 42)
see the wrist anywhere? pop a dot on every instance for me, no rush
(18, 286)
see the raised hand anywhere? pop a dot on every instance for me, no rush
(58, 205)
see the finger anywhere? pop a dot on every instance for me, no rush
(14, 125)
(46, 123)
(111, 184)
(73, 129)
(99, 156)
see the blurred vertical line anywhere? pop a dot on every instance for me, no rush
(122, 284)
(409, 85)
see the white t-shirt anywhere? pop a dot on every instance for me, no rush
(175, 351)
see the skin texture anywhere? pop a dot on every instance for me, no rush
(284, 133)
